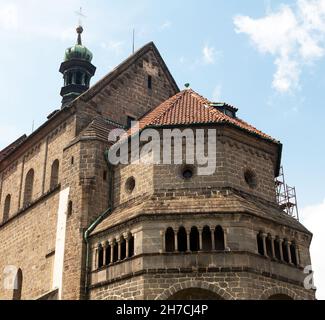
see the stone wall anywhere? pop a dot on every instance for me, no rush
(129, 95)
(28, 237)
(28, 242)
(227, 285)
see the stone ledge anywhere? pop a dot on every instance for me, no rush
(198, 269)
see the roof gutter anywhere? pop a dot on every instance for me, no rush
(100, 218)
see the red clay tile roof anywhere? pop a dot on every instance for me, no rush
(188, 107)
(8, 150)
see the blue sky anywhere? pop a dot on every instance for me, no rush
(264, 57)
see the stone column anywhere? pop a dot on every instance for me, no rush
(281, 249)
(188, 237)
(127, 238)
(288, 244)
(213, 240)
(95, 262)
(176, 242)
(104, 245)
(119, 249)
(200, 239)
(264, 243)
(111, 243)
(273, 249)
(297, 256)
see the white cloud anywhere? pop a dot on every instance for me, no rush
(209, 54)
(8, 17)
(295, 36)
(313, 217)
(166, 25)
(217, 93)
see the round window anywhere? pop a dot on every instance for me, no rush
(250, 178)
(187, 173)
(130, 185)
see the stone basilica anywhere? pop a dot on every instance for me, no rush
(74, 226)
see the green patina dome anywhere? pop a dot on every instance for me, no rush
(78, 51)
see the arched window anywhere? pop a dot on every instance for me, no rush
(170, 240)
(115, 252)
(293, 252)
(100, 256)
(269, 251)
(54, 174)
(131, 247)
(79, 77)
(285, 251)
(108, 255)
(182, 240)
(206, 239)
(194, 240)
(18, 286)
(29, 185)
(6, 209)
(260, 245)
(123, 248)
(219, 239)
(70, 78)
(277, 249)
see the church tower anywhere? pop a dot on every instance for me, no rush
(77, 70)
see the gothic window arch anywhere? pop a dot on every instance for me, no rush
(170, 240)
(29, 186)
(194, 240)
(6, 208)
(54, 181)
(182, 239)
(219, 238)
(206, 239)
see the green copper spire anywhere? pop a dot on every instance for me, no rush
(77, 70)
(78, 51)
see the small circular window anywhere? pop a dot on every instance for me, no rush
(187, 173)
(250, 178)
(130, 185)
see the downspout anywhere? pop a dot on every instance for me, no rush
(101, 217)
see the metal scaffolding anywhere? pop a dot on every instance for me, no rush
(286, 196)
